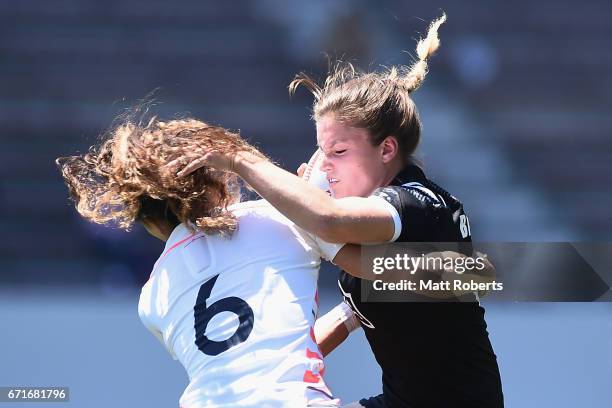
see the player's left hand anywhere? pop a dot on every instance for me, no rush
(488, 272)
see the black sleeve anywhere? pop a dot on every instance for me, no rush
(426, 218)
(414, 210)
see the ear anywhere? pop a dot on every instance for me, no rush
(390, 149)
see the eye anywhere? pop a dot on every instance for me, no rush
(339, 152)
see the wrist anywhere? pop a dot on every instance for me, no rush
(345, 314)
(242, 160)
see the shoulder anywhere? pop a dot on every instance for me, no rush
(249, 206)
(426, 212)
(257, 211)
(410, 197)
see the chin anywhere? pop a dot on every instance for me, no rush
(340, 194)
(335, 193)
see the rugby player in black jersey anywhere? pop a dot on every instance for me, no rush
(368, 128)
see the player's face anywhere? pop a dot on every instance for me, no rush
(353, 166)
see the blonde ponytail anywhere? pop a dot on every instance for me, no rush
(425, 48)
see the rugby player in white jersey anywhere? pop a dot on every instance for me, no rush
(233, 296)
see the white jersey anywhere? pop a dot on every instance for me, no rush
(238, 313)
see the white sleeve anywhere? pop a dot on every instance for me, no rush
(328, 250)
(397, 222)
(324, 249)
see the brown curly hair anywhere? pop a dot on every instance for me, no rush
(124, 179)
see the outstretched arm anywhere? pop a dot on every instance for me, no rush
(351, 219)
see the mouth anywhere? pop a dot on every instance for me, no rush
(332, 181)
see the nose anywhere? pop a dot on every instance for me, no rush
(326, 163)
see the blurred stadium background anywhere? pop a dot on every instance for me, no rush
(517, 104)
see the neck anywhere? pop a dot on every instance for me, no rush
(394, 168)
(159, 229)
(165, 232)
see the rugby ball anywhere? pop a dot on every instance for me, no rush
(313, 173)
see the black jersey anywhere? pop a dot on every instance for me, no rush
(432, 354)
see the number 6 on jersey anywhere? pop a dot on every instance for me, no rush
(204, 314)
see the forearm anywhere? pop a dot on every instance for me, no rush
(334, 327)
(349, 219)
(330, 336)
